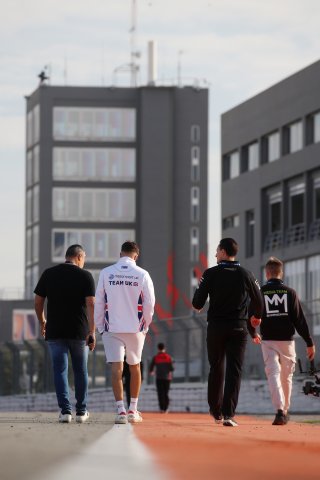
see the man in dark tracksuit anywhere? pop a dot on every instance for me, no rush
(231, 290)
(162, 363)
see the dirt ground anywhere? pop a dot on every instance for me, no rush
(192, 447)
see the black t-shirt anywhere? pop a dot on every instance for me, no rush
(66, 287)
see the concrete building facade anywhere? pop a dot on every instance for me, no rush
(104, 165)
(271, 182)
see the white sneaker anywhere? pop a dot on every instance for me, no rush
(65, 418)
(82, 418)
(134, 417)
(229, 422)
(121, 418)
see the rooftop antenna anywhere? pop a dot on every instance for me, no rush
(102, 65)
(134, 67)
(65, 69)
(180, 52)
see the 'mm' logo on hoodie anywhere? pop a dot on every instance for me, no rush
(276, 304)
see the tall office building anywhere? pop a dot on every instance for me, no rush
(104, 165)
(271, 182)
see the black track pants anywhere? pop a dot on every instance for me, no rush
(226, 346)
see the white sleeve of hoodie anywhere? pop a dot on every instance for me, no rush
(148, 299)
(99, 307)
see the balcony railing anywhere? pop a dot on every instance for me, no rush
(273, 241)
(296, 235)
(314, 231)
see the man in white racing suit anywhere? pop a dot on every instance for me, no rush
(123, 312)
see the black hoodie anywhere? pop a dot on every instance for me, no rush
(283, 314)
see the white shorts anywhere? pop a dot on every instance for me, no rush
(118, 345)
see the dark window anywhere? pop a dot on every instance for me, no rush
(317, 204)
(297, 206)
(225, 168)
(244, 165)
(275, 217)
(231, 222)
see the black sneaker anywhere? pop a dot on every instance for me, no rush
(280, 418)
(217, 417)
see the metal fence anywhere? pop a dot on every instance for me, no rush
(25, 367)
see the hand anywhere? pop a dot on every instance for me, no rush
(43, 328)
(311, 352)
(197, 310)
(255, 322)
(256, 339)
(151, 373)
(91, 341)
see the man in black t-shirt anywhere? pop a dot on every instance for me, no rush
(231, 288)
(69, 326)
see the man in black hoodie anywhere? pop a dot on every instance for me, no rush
(231, 289)
(282, 316)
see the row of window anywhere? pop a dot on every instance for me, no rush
(291, 214)
(195, 193)
(89, 124)
(289, 139)
(304, 276)
(96, 164)
(93, 205)
(100, 245)
(293, 207)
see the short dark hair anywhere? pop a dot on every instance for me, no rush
(274, 266)
(130, 247)
(74, 251)
(160, 346)
(230, 246)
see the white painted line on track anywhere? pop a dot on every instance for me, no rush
(118, 453)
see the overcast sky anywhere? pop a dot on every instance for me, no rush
(240, 47)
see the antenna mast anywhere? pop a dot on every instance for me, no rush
(134, 67)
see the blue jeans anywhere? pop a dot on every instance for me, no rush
(79, 355)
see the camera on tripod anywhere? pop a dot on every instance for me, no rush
(311, 387)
